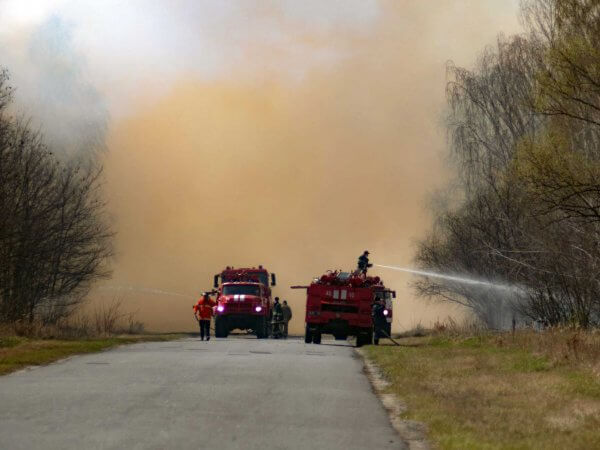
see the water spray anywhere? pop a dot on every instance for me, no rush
(458, 279)
(145, 291)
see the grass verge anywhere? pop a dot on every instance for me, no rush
(19, 352)
(495, 391)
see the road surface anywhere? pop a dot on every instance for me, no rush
(236, 393)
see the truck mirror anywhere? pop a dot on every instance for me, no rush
(393, 294)
(216, 284)
(273, 279)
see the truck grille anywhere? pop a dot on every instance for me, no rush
(339, 308)
(238, 307)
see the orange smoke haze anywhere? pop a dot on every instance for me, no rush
(299, 173)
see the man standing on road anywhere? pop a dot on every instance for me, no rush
(379, 321)
(277, 306)
(287, 316)
(277, 319)
(203, 311)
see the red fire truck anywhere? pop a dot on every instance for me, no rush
(244, 301)
(340, 303)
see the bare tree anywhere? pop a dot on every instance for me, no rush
(526, 145)
(54, 239)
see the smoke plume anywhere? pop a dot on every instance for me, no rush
(312, 136)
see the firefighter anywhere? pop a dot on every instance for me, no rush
(363, 262)
(277, 307)
(277, 319)
(379, 319)
(203, 311)
(287, 316)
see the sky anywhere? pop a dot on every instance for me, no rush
(293, 134)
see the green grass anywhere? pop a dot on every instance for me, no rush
(477, 393)
(18, 352)
(10, 341)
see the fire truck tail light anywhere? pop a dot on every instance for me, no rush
(385, 312)
(220, 308)
(258, 309)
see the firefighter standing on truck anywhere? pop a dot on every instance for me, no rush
(203, 311)
(363, 262)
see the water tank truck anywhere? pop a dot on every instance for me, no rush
(340, 303)
(244, 301)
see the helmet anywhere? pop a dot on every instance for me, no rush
(366, 252)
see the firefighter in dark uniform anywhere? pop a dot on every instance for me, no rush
(277, 319)
(363, 262)
(379, 320)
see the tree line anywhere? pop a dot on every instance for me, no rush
(55, 240)
(524, 211)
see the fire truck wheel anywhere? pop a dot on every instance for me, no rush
(359, 340)
(364, 338)
(317, 337)
(368, 337)
(261, 328)
(307, 335)
(221, 328)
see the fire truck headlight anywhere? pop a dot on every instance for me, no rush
(258, 309)
(220, 308)
(385, 312)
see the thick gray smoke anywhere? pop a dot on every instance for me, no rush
(52, 88)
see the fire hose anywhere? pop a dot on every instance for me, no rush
(390, 338)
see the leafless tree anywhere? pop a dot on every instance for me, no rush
(54, 239)
(525, 142)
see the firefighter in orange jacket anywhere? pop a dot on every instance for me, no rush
(203, 311)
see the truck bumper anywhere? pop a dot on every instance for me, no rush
(338, 326)
(241, 321)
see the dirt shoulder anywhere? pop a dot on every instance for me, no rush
(20, 352)
(490, 392)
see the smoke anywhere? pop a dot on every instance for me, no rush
(52, 87)
(301, 137)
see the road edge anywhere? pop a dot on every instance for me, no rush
(414, 434)
(68, 356)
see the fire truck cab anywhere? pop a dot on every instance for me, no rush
(244, 301)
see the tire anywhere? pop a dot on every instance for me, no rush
(359, 340)
(317, 337)
(368, 340)
(221, 330)
(364, 338)
(261, 328)
(308, 335)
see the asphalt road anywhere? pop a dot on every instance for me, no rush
(236, 393)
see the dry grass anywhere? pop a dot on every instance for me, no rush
(499, 391)
(104, 320)
(18, 352)
(33, 343)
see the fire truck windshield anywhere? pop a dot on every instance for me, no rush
(385, 295)
(241, 289)
(260, 277)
